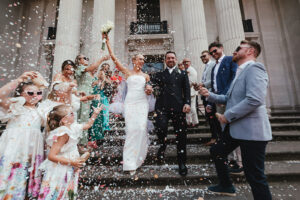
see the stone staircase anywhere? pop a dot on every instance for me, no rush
(103, 178)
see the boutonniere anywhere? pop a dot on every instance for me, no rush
(178, 71)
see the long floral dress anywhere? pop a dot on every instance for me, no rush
(61, 181)
(21, 151)
(101, 123)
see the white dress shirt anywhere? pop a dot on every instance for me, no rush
(216, 72)
(205, 71)
(171, 69)
(241, 67)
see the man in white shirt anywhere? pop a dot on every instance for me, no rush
(191, 117)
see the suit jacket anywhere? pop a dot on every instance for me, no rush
(174, 90)
(193, 75)
(206, 77)
(246, 109)
(225, 75)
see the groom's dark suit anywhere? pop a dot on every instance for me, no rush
(174, 93)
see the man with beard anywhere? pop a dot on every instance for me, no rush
(172, 102)
(247, 123)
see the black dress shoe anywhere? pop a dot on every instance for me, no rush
(182, 169)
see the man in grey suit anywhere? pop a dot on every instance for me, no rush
(206, 82)
(247, 122)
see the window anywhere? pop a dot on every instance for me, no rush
(148, 10)
(153, 63)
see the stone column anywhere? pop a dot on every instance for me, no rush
(230, 24)
(195, 36)
(67, 42)
(103, 10)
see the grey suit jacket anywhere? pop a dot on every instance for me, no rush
(245, 104)
(207, 76)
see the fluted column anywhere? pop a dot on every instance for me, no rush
(103, 10)
(67, 42)
(195, 35)
(230, 25)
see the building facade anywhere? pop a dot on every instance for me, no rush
(41, 34)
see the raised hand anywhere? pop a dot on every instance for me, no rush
(106, 57)
(78, 163)
(27, 75)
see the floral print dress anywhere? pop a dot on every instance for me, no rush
(61, 181)
(21, 151)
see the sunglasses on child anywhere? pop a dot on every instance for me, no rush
(85, 58)
(32, 93)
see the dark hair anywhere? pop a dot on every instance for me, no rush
(205, 51)
(103, 66)
(254, 45)
(77, 60)
(55, 116)
(66, 63)
(215, 44)
(20, 88)
(168, 52)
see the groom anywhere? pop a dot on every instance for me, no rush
(173, 102)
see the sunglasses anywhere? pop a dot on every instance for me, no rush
(202, 56)
(85, 58)
(32, 93)
(212, 52)
(239, 48)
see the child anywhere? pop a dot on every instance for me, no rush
(62, 166)
(21, 144)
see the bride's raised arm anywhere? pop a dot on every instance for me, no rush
(119, 65)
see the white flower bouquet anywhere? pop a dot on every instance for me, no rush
(106, 28)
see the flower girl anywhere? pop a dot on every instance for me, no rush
(61, 169)
(21, 144)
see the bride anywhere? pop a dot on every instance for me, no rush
(135, 111)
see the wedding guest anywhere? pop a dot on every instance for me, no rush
(247, 123)
(222, 75)
(206, 82)
(67, 72)
(116, 77)
(181, 66)
(84, 74)
(102, 87)
(61, 168)
(21, 144)
(191, 117)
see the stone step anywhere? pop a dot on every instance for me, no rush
(202, 121)
(118, 139)
(280, 190)
(196, 153)
(206, 129)
(286, 113)
(168, 174)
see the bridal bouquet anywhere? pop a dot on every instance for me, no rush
(106, 28)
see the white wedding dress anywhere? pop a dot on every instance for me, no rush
(136, 114)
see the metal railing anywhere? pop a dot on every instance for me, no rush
(148, 27)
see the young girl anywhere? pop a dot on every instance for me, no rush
(21, 144)
(62, 166)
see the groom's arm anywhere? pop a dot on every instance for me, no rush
(186, 89)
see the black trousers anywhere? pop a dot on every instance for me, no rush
(180, 126)
(253, 158)
(214, 124)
